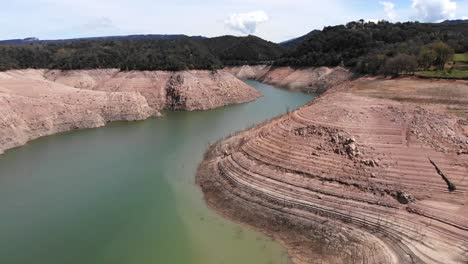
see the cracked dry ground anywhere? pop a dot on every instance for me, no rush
(349, 178)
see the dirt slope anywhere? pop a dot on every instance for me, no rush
(315, 80)
(183, 90)
(36, 103)
(367, 173)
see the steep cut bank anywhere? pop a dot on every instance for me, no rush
(316, 80)
(36, 103)
(181, 90)
(373, 171)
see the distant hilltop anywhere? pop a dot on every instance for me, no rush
(33, 40)
(365, 47)
(457, 21)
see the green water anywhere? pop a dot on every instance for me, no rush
(126, 193)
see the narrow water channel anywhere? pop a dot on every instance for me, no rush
(126, 193)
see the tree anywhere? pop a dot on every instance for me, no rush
(400, 64)
(444, 54)
(427, 57)
(371, 64)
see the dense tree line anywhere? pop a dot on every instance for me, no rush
(381, 48)
(365, 47)
(249, 50)
(176, 54)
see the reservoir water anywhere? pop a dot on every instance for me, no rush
(126, 193)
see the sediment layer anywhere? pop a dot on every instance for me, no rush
(36, 103)
(316, 80)
(373, 171)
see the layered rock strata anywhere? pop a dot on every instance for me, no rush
(354, 177)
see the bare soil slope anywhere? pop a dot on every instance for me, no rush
(35, 103)
(373, 171)
(183, 90)
(315, 80)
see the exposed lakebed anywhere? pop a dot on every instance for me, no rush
(126, 193)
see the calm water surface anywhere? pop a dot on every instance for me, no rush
(126, 193)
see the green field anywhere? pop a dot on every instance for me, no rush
(459, 69)
(460, 57)
(451, 74)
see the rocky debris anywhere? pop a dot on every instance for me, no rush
(404, 198)
(351, 147)
(432, 128)
(462, 151)
(370, 162)
(334, 139)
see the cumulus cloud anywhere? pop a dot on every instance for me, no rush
(389, 9)
(246, 22)
(98, 24)
(435, 10)
(373, 20)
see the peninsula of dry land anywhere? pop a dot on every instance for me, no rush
(373, 171)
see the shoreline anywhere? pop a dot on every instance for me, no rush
(37, 103)
(42, 102)
(216, 202)
(306, 79)
(141, 149)
(242, 181)
(266, 218)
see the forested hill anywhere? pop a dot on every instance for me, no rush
(293, 43)
(247, 50)
(382, 47)
(33, 40)
(143, 54)
(365, 47)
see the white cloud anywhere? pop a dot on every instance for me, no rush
(98, 24)
(389, 9)
(246, 22)
(465, 17)
(435, 10)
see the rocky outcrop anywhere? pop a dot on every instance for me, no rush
(315, 80)
(353, 177)
(36, 103)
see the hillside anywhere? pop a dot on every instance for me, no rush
(293, 43)
(244, 50)
(364, 47)
(456, 21)
(379, 48)
(144, 54)
(33, 40)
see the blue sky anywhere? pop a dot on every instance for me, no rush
(275, 20)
